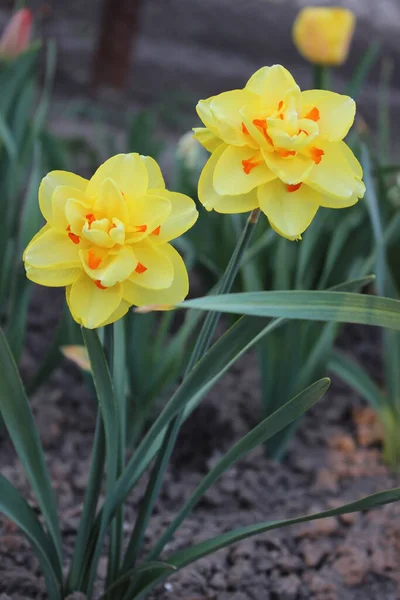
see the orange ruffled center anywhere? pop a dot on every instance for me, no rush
(288, 124)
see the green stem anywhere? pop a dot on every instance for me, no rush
(115, 352)
(212, 318)
(321, 77)
(76, 574)
(199, 350)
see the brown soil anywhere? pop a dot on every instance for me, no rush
(330, 462)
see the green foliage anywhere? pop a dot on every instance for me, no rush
(150, 372)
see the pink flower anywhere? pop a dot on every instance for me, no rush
(17, 35)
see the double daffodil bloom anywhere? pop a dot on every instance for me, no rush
(106, 239)
(279, 149)
(323, 34)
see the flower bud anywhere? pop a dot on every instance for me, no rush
(323, 35)
(16, 36)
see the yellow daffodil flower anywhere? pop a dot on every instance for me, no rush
(323, 35)
(279, 149)
(106, 239)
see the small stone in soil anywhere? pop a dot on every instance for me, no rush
(287, 588)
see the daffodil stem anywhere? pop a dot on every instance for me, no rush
(167, 447)
(321, 77)
(200, 349)
(75, 578)
(225, 285)
(114, 346)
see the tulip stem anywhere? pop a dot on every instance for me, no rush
(321, 77)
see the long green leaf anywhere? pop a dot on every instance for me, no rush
(210, 323)
(363, 70)
(384, 283)
(75, 577)
(356, 377)
(17, 416)
(242, 336)
(189, 555)
(7, 138)
(15, 508)
(339, 307)
(109, 412)
(285, 415)
(153, 569)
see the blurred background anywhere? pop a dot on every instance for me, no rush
(166, 54)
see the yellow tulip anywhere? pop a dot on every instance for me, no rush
(279, 149)
(106, 239)
(323, 35)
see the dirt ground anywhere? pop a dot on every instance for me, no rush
(335, 458)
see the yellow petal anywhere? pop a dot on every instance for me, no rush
(118, 313)
(178, 290)
(226, 110)
(289, 213)
(352, 161)
(91, 306)
(98, 233)
(75, 213)
(230, 175)
(50, 183)
(112, 268)
(52, 277)
(110, 202)
(182, 216)
(207, 138)
(290, 170)
(146, 214)
(332, 202)
(271, 83)
(204, 111)
(156, 179)
(223, 204)
(52, 249)
(334, 175)
(153, 268)
(128, 171)
(336, 112)
(61, 196)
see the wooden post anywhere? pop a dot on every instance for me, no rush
(119, 27)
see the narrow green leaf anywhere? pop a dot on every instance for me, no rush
(109, 412)
(315, 306)
(188, 555)
(210, 323)
(242, 336)
(154, 569)
(363, 70)
(92, 494)
(285, 415)
(15, 508)
(7, 138)
(17, 416)
(345, 367)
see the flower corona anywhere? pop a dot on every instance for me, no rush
(279, 149)
(106, 239)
